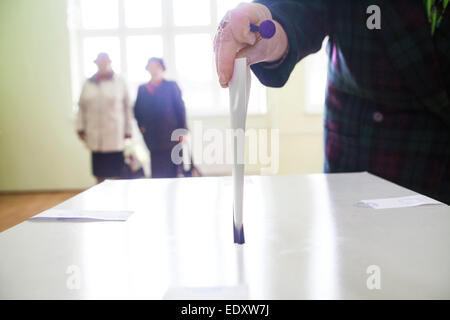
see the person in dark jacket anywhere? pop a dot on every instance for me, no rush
(388, 92)
(159, 110)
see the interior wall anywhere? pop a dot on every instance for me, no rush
(301, 134)
(39, 149)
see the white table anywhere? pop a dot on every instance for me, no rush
(306, 239)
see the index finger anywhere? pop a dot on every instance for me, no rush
(226, 50)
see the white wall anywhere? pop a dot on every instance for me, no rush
(38, 147)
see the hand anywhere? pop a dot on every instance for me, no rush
(235, 40)
(82, 135)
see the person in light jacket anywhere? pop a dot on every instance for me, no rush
(105, 119)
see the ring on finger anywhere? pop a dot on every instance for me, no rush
(223, 24)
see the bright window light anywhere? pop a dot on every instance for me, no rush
(139, 50)
(143, 13)
(316, 74)
(191, 13)
(195, 69)
(194, 65)
(99, 14)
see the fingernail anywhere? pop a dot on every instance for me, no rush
(222, 80)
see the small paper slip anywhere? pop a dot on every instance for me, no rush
(400, 202)
(83, 215)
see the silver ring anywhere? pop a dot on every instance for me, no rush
(222, 25)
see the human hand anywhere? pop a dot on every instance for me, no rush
(81, 135)
(235, 40)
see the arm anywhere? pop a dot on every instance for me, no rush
(128, 109)
(138, 110)
(301, 26)
(306, 24)
(81, 115)
(180, 108)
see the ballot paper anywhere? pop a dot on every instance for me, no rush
(228, 181)
(60, 214)
(239, 94)
(399, 202)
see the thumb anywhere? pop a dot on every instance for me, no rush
(266, 50)
(254, 54)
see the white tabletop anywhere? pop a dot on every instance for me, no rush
(305, 239)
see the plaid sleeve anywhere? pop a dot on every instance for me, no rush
(306, 24)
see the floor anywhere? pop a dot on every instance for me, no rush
(18, 207)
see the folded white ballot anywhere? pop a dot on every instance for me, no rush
(399, 202)
(239, 88)
(61, 214)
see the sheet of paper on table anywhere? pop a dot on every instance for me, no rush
(59, 214)
(399, 202)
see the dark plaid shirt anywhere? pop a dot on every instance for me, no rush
(387, 102)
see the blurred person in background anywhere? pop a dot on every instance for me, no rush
(159, 110)
(105, 119)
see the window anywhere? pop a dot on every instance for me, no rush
(192, 13)
(316, 66)
(138, 49)
(143, 13)
(180, 31)
(92, 20)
